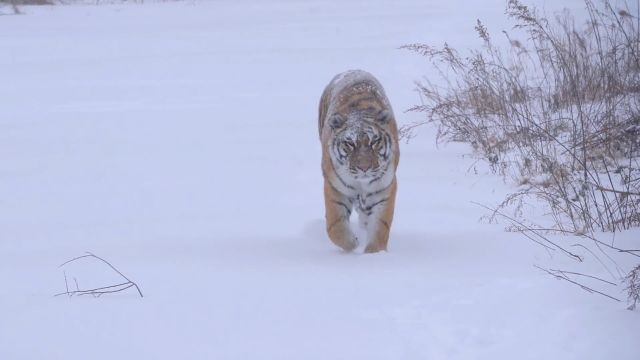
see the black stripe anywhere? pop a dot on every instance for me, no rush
(386, 224)
(378, 178)
(387, 147)
(378, 191)
(336, 222)
(337, 154)
(381, 174)
(370, 207)
(340, 178)
(346, 207)
(339, 132)
(334, 188)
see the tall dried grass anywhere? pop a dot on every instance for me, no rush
(558, 113)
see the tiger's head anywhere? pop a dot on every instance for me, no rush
(361, 145)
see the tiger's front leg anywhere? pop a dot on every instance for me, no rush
(379, 221)
(337, 213)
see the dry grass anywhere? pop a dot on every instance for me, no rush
(559, 114)
(633, 287)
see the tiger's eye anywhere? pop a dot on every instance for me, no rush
(375, 142)
(347, 146)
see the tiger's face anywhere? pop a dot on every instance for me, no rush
(362, 148)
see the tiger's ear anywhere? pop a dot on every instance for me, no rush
(336, 121)
(384, 116)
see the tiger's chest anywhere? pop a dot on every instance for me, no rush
(363, 192)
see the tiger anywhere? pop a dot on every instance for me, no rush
(360, 155)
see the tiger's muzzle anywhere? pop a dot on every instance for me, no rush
(363, 162)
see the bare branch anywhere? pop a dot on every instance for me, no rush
(524, 228)
(99, 290)
(562, 276)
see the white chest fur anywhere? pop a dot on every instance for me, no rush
(363, 192)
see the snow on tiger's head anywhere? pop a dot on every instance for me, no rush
(361, 146)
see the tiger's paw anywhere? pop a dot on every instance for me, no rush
(348, 244)
(374, 248)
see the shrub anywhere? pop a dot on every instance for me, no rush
(559, 114)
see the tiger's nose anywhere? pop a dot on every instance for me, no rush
(363, 166)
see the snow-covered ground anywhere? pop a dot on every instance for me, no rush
(179, 141)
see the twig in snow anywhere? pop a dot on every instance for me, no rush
(99, 291)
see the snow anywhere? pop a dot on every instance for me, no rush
(179, 141)
(348, 79)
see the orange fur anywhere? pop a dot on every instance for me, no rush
(364, 96)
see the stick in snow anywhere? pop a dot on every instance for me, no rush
(99, 291)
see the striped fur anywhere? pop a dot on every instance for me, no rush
(360, 154)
